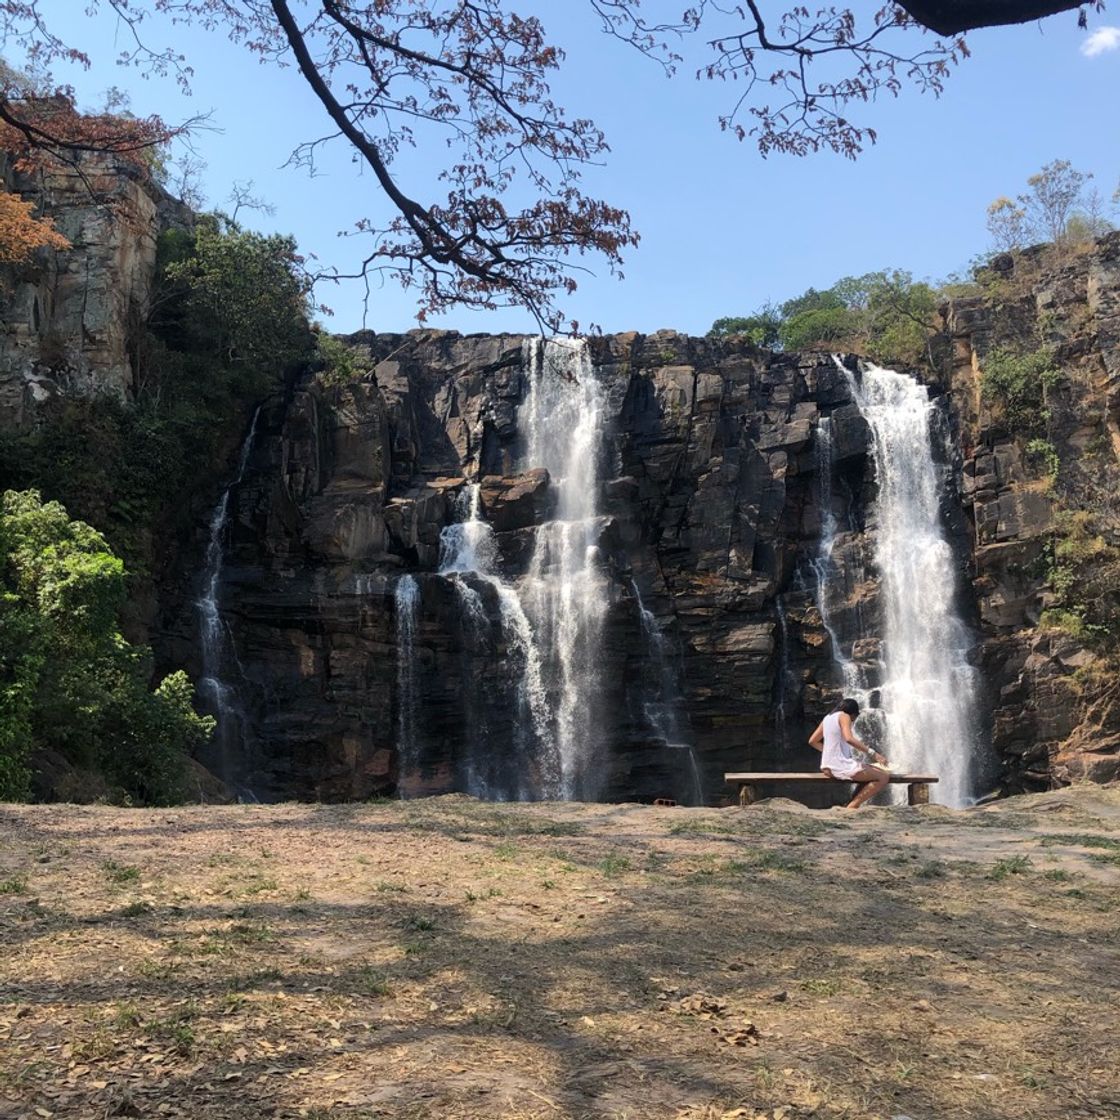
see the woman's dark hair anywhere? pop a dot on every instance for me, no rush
(849, 707)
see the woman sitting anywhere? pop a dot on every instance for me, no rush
(837, 742)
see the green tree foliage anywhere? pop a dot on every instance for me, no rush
(239, 297)
(1019, 384)
(763, 328)
(816, 318)
(228, 322)
(900, 314)
(886, 315)
(69, 683)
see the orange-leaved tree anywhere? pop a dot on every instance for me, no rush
(21, 233)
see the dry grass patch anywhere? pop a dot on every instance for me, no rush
(457, 960)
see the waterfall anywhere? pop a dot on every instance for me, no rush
(928, 687)
(662, 703)
(532, 645)
(827, 574)
(468, 552)
(566, 592)
(214, 638)
(782, 684)
(406, 601)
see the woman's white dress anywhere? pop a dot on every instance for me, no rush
(838, 755)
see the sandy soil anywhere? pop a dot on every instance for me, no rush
(452, 959)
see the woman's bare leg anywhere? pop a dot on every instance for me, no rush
(873, 781)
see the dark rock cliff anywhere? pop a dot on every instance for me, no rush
(712, 502)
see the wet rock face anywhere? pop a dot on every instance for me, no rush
(518, 501)
(708, 510)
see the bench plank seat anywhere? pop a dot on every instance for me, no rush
(917, 793)
(817, 776)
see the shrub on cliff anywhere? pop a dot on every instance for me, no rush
(1018, 384)
(69, 683)
(340, 364)
(234, 296)
(1084, 575)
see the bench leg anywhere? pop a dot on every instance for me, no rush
(917, 793)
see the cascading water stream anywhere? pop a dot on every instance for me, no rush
(928, 687)
(468, 552)
(532, 646)
(663, 702)
(827, 577)
(565, 592)
(214, 638)
(406, 601)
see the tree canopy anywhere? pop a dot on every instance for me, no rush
(21, 233)
(69, 683)
(887, 315)
(508, 219)
(1058, 207)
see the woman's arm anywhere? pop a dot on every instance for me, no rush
(816, 740)
(851, 737)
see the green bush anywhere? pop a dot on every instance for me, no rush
(341, 364)
(1020, 383)
(1084, 575)
(70, 682)
(1044, 452)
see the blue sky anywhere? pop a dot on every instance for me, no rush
(722, 229)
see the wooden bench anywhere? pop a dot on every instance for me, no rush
(917, 791)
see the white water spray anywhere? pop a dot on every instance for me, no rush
(467, 549)
(929, 687)
(663, 702)
(828, 579)
(214, 639)
(566, 593)
(406, 601)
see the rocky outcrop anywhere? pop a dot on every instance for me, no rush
(69, 320)
(516, 502)
(1055, 717)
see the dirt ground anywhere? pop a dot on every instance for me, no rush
(452, 959)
